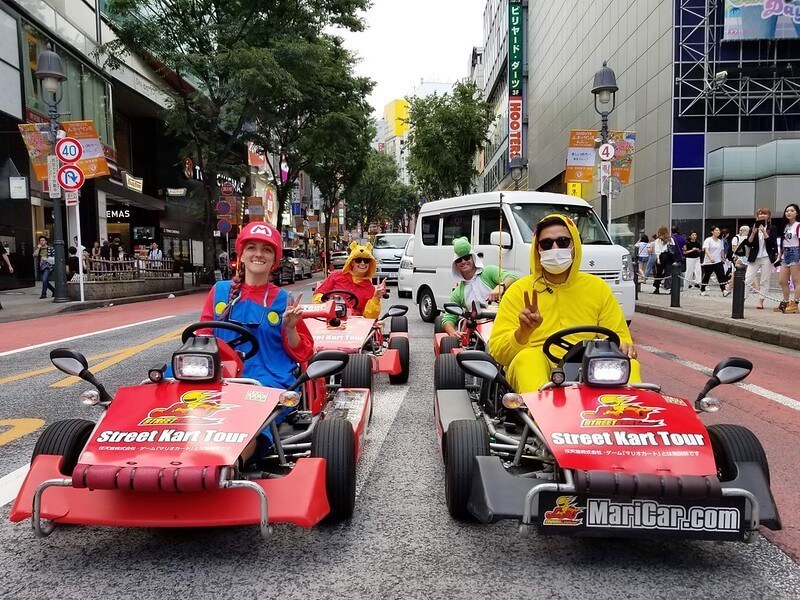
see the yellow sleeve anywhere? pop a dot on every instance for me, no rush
(503, 346)
(316, 298)
(373, 309)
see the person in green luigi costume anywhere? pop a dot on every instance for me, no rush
(477, 283)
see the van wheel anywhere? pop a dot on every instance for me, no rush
(427, 305)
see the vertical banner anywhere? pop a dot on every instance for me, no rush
(624, 145)
(92, 163)
(255, 206)
(516, 105)
(581, 155)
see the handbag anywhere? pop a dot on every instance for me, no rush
(666, 258)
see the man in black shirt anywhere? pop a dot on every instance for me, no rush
(72, 263)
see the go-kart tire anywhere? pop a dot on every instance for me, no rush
(64, 438)
(437, 325)
(447, 374)
(447, 344)
(427, 305)
(401, 345)
(334, 441)
(399, 324)
(734, 443)
(465, 440)
(358, 372)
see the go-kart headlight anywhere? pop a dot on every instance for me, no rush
(194, 367)
(289, 399)
(608, 371)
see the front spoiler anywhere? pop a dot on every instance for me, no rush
(497, 494)
(298, 498)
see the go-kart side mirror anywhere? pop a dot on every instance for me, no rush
(396, 310)
(480, 364)
(453, 309)
(729, 370)
(322, 364)
(75, 364)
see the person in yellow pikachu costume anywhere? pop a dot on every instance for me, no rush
(356, 277)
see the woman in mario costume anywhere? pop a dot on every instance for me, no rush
(356, 277)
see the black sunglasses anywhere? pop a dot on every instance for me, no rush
(361, 261)
(561, 242)
(461, 259)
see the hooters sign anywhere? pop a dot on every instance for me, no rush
(514, 127)
(516, 57)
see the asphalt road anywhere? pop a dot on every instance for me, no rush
(401, 543)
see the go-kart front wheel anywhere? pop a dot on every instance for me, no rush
(437, 325)
(448, 344)
(399, 324)
(358, 372)
(734, 443)
(447, 374)
(465, 440)
(66, 439)
(401, 345)
(334, 441)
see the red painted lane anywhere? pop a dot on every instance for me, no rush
(776, 426)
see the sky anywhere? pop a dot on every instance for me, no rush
(409, 40)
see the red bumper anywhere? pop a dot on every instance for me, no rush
(298, 498)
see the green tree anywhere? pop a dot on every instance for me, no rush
(446, 134)
(375, 192)
(403, 206)
(223, 60)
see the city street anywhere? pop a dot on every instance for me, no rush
(401, 542)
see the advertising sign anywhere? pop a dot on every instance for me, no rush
(255, 206)
(581, 155)
(134, 183)
(762, 19)
(516, 43)
(92, 162)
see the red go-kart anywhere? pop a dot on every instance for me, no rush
(370, 349)
(591, 454)
(166, 453)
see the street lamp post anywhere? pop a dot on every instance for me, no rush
(50, 74)
(605, 91)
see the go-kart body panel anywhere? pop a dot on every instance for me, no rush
(622, 430)
(299, 498)
(353, 404)
(350, 336)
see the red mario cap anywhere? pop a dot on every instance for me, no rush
(259, 231)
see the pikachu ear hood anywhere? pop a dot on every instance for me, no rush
(358, 251)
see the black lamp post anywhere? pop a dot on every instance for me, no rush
(605, 91)
(50, 74)
(518, 167)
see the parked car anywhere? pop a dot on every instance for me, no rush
(338, 258)
(405, 284)
(387, 250)
(294, 266)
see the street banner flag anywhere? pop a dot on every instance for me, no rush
(255, 205)
(581, 155)
(93, 161)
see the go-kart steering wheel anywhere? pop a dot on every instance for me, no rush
(351, 296)
(245, 335)
(559, 339)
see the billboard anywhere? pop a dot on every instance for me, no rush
(515, 96)
(762, 19)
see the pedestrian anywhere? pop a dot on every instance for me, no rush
(739, 247)
(105, 256)
(113, 249)
(664, 257)
(4, 255)
(72, 262)
(45, 255)
(714, 257)
(726, 251)
(651, 260)
(692, 251)
(156, 256)
(642, 256)
(223, 260)
(80, 247)
(762, 254)
(679, 242)
(790, 259)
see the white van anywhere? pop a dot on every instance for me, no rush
(476, 217)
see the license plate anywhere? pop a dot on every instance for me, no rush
(571, 514)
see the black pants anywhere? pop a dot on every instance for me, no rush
(719, 270)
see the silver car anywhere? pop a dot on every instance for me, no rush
(387, 250)
(405, 284)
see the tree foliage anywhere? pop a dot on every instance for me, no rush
(375, 191)
(446, 134)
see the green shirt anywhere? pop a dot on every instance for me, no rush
(491, 276)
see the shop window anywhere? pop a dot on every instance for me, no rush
(456, 225)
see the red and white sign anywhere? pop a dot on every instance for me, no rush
(606, 152)
(227, 189)
(71, 198)
(69, 150)
(514, 127)
(70, 177)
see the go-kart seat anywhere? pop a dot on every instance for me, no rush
(146, 479)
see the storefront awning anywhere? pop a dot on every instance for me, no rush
(118, 192)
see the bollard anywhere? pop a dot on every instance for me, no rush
(675, 285)
(636, 284)
(737, 311)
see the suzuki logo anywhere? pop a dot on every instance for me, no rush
(263, 230)
(591, 263)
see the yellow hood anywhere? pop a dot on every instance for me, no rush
(357, 251)
(536, 267)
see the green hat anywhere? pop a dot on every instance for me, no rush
(461, 247)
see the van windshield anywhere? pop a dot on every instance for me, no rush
(391, 241)
(528, 215)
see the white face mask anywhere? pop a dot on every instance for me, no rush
(556, 260)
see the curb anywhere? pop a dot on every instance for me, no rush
(763, 333)
(130, 299)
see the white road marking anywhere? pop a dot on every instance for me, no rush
(11, 483)
(755, 389)
(75, 337)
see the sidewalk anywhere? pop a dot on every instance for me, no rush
(714, 312)
(24, 303)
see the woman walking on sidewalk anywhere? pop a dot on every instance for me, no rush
(662, 253)
(642, 256)
(714, 252)
(762, 254)
(790, 259)
(692, 252)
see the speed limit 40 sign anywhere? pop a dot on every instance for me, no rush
(69, 150)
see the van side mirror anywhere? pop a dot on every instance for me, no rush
(500, 238)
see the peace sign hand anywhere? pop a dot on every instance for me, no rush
(529, 317)
(380, 289)
(293, 313)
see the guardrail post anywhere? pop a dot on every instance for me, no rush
(737, 311)
(675, 284)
